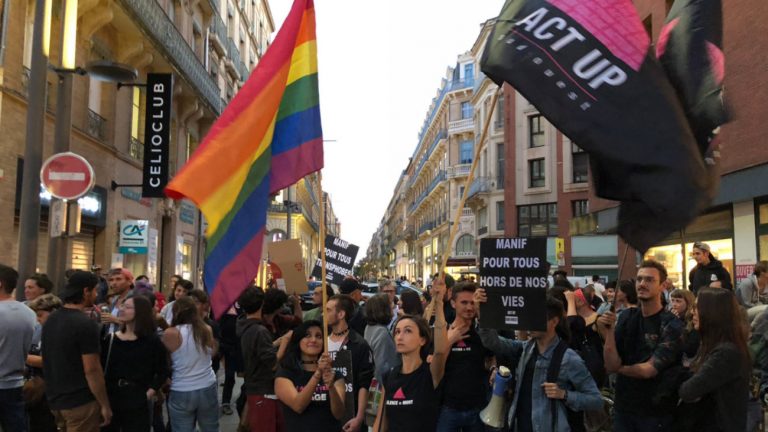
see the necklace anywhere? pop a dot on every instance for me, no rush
(309, 362)
(341, 333)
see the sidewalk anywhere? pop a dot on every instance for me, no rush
(228, 423)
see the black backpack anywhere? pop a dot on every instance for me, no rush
(575, 418)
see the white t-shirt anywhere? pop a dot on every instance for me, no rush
(599, 289)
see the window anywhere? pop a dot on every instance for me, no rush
(580, 162)
(537, 220)
(465, 246)
(535, 131)
(500, 215)
(466, 110)
(536, 173)
(499, 123)
(461, 191)
(762, 230)
(500, 165)
(136, 114)
(465, 152)
(469, 72)
(579, 207)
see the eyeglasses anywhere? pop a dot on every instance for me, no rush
(388, 291)
(649, 279)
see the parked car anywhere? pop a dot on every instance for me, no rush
(372, 288)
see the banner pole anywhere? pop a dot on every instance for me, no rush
(455, 224)
(323, 282)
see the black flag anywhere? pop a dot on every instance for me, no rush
(690, 48)
(587, 66)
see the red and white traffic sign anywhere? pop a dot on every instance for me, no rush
(67, 176)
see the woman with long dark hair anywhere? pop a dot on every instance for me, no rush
(135, 366)
(193, 398)
(310, 391)
(410, 303)
(721, 369)
(410, 398)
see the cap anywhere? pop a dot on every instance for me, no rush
(702, 246)
(348, 286)
(125, 272)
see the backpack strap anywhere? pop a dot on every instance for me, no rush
(553, 372)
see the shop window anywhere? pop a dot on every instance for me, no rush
(538, 220)
(186, 260)
(762, 230)
(671, 256)
(500, 215)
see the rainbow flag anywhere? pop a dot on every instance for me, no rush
(268, 138)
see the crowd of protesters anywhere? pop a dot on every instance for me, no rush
(630, 355)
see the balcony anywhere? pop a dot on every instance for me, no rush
(463, 125)
(432, 185)
(97, 126)
(426, 227)
(482, 231)
(448, 87)
(154, 22)
(218, 34)
(479, 185)
(467, 212)
(425, 157)
(457, 171)
(136, 149)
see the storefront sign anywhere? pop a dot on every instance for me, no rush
(157, 134)
(743, 271)
(339, 260)
(152, 254)
(560, 251)
(513, 272)
(134, 236)
(187, 213)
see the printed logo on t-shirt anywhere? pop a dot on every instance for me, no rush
(713, 277)
(320, 394)
(461, 346)
(399, 399)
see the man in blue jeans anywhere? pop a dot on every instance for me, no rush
(641, 348)
(465, 382)
(17, 322)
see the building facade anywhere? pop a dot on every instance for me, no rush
(208, 45)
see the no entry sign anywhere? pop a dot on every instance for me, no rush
(513, 272)
(67, 176)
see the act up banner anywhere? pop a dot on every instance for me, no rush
(587, 67)
(513, 272)
(690, 48)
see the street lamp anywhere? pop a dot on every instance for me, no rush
(29, 220)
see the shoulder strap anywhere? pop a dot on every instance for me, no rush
(553, 371)
(109, 352)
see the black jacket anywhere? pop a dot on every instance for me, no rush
(701, 276)
(259, 356)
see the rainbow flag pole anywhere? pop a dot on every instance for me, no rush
(268, 138)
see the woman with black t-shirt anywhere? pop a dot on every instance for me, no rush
(135, 366)
(310, 391)
(410, 396)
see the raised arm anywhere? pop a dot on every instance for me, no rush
(440, 355)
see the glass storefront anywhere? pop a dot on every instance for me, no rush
(672, 258)
(762, 230)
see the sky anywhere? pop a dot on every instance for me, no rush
(380, 64)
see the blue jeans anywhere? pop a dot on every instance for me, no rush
(197, 406)
(452, 420)
(12, 415)
(628, 422)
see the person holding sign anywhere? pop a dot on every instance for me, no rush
(306, 385)
(550, 378)
(411, 399)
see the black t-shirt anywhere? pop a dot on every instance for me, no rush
(317, 416)
(465, 384)
(412, 402)
(67, 336)
(142, 362)
(639, 339)
(524, 413)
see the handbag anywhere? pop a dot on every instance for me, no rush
(33, 390)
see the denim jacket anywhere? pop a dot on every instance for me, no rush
(574, 377)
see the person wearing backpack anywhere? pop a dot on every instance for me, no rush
(550, 378)
(644, 348)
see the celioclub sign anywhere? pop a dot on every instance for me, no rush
(67, 176)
